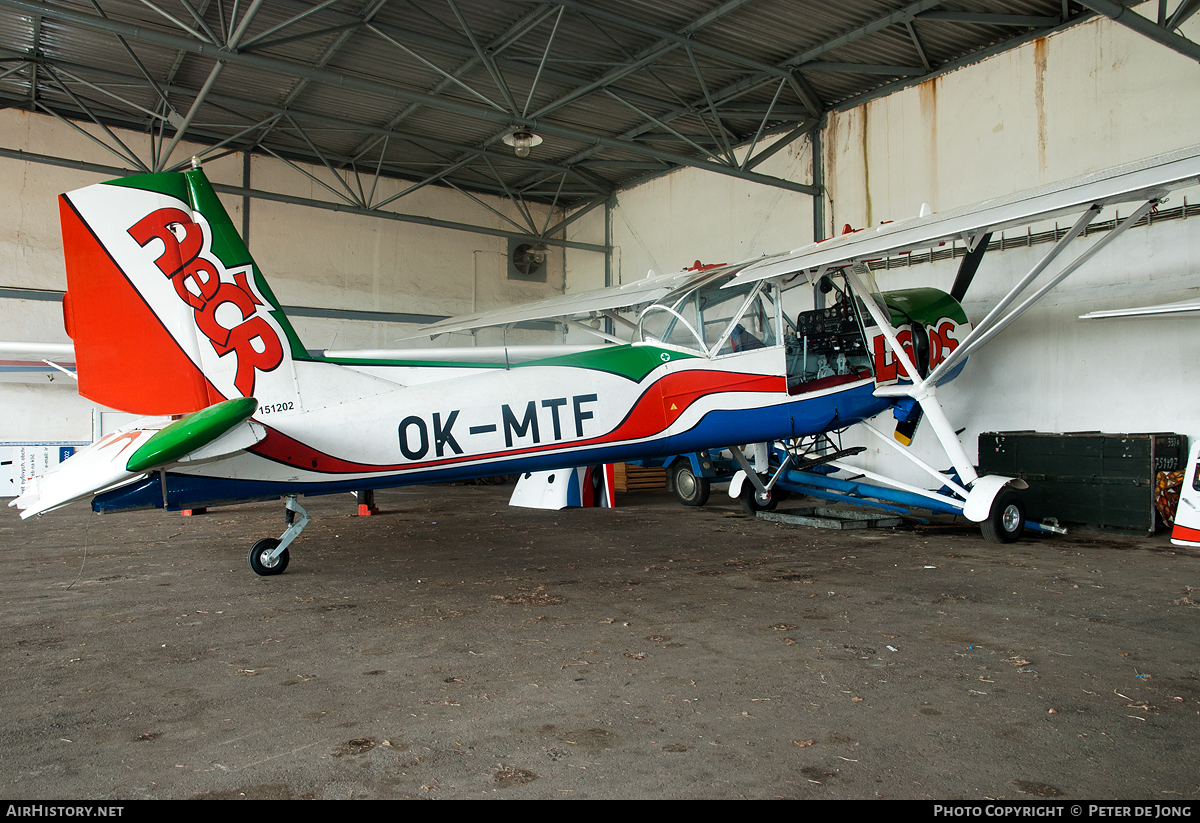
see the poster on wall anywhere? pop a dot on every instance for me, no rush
(20, 461)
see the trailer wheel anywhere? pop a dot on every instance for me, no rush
(690, 490)
(1006, 521)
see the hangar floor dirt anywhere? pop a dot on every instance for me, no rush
(452, 647)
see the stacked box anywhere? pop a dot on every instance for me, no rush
(1093, 479)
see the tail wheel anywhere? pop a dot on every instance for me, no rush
(261, 562)
(1006, 521)
(690, 490)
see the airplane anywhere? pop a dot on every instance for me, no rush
(171, 317)
(1185, 531)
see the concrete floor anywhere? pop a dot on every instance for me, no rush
(455, 647)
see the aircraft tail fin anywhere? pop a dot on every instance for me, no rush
(167, 309)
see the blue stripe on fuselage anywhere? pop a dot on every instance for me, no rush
(717, 429)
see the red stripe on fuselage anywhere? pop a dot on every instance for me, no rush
(650, 415)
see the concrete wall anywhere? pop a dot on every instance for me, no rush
(669, 223)
(1094, 96)
(311, 257)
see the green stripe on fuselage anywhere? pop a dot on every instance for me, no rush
(631, 362)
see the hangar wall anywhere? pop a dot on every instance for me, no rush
(1085, 99)
(311, 257)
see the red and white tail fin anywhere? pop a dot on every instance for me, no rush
(167, 309)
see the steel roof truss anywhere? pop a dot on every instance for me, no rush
(663, 125)
(712, 110)
(487, 62)
(204, 154)
(249, 44)
(494, 210)
(124, 157)
(336, 175)
(1183, 11)
(126, 153)
(447, 75)
(516, 201)
(1162, 34)
(761, 126)
(542, 64)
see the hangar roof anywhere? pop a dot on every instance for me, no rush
(428, 91)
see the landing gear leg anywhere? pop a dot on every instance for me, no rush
(270, 556)
(756, 493)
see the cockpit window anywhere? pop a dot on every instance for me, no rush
(754, 329)
(672, 324)
(714, 320)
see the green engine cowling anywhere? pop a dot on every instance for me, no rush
(929, 324)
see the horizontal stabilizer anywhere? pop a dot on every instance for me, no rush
(100, 466)
(151, 443)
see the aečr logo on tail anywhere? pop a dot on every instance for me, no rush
(204, 284)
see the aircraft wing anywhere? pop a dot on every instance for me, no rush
(1184, 308)
(20, 361)
(627, 295)
(1140, 181)
(41, 351)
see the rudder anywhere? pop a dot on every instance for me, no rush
(167, 309)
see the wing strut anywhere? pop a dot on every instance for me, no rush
(923, 390)
(996, 320)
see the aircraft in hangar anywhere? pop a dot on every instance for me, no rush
(170, 317)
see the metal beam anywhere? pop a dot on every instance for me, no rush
(1019, 20)
(954, 65)
(865, 68)
(904, 15)
(374, 87)
(239, 191)
(1144, 26)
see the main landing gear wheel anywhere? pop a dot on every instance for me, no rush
(260, 559)
(1006, 521)
(753, 501)
(690, 490)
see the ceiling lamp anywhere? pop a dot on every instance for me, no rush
(522, 140)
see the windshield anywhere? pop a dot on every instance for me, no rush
(713, 320)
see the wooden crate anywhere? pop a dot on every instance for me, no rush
(630, 478)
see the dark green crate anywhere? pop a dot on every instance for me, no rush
(1095, 479)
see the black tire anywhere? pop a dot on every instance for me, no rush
(258, 562)
(1006, 521)
(753, 502)
(690, 490)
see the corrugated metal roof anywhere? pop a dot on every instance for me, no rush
(619, 90)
